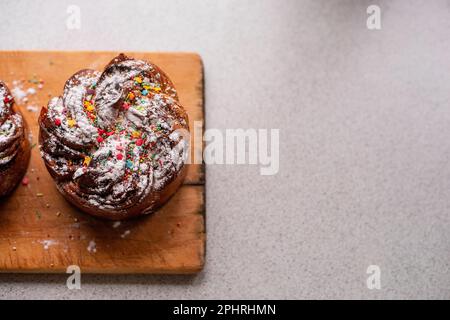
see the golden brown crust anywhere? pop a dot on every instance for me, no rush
(14, 143)
(112, 141)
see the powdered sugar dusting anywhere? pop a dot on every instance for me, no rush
(92, 247)
(125, 234)
(48, 243)
(116, 224)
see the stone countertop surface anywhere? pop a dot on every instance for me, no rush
(364, 119)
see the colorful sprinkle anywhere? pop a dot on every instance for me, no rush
(139, 142)
(119, 156)
(129, 164)
(144, 92)
(99, 139)
(87, 160)
(25, 181)
(71, 123)
(57, 122)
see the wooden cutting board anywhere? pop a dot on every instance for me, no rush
(41, 232)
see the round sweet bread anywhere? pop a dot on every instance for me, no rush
(115, 142)
(14, 143)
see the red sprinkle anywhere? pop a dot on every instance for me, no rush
(119, 156)
(25, 181)
(139, 142)
(99, 139)
(57, 122)
(110, 133)
(101, 131)
(126, 106)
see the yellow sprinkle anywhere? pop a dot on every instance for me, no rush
(138, 79)
(136, 134)
(90, 108)
(146, 87)
(157, 89)
(87, 160)
(71, 123)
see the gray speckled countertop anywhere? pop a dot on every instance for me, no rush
(365, 142)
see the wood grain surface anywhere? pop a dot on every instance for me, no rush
(41, 232)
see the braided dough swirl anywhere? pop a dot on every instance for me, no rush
(112, 141)
(14, 144)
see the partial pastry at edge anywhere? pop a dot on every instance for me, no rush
(14, 143)
(115, 142)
